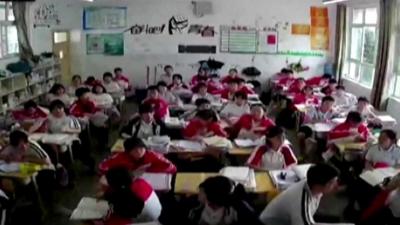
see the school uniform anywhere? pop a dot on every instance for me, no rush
(170, 98)
(64, 98)
(34, 151)
(245, 89)
(328, 91)
(198, 127)
(102, 100)
(343, 130)
(315, 114)
(80, 108)
(344, 100)
(316, 82)
(269, 159)
(140, 129)
(380, 157)
(296, 205)
(56, 125)
(233, 110)
(174, 87)
(160, 106)
(123, 82)
(214, 87)
(113, 87)
(154, 163)
(196, 79)
(366, 113)
(246, 123)
(294, 88)
(22, 115)
(286, 81)
(5, 207)
(228, 78)
(227, 94)
(207, 96)
(301, 98)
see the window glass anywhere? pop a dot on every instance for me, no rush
(358, 16)
(369, 50)
(371, 16)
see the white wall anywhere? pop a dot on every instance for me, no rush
(155, 50)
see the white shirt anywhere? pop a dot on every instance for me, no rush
(164, 77)
(103, 100)
(64, 98)
(315, 114)
(145, 131)
(56, 125)
(112, 87)
(295, 206)
(207, 96)
(344, 100)
(233, 110)
(391, 156)
(170, 98)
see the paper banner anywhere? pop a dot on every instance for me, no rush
(319, 38)
(320, 22)
(300, 29)
(319, 12)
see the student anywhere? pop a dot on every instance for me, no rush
(236, 108)
(31, 117)
(298, 204)
(75, 84)
(177, 84)
(167, 75)
(112, 86)
(253, 125)
(132, 199)
(214, 86)
(319, 81)
(57, 92)
(242, 87)
(167, 95)
(201, 104)
(205, 124)
(322, 113)
(201, 75)
(384, 154)
(352, 128)
(297, 86)
(143, 126)
(275, 154)
(342, 98)
(121, 79)
(306, 96)
(137, 157)
(330, 88)
(100, 97)
(222, 203)
(59, 122)
(285, 77)
(229, 93)
(365, 109)
(160, 106)
(202, 93)
(90, 81)
(232, 75)
(83, 107)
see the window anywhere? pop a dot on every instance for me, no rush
(8, 31)
(362, 45)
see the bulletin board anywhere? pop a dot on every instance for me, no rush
(104, 18)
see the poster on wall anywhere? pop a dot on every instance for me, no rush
(45, 15)
(104, 18)
(267, 42)
(301, 29)
(94, 44)
(319, 28)
(106, 44)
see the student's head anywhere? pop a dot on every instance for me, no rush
(152, 92)
(308, 90)
(135, 147)
(240, 98)
(301, 83)
(98, 89)
(168, 69)
(332, 83)
(82, 93)
(57, 108)
(118, 72)
(202, 103)
(19, 139)
(362, 102)
(340, 90)
(202, 71)
(146, 112)
(216, 192)
(233, 72)
(57, 89)
(177, 79)
(257, 111)
(322, 178)
(90, 80)
(233, 85)
(207, 115)
(354, 119)
(327, 103)
(30, 106)
(107, 77)
(202, 88)
(274, 137)
(287, 72)
(76, 80)
(162, 87)
(387, 138)
(241, 82)
(326, 77)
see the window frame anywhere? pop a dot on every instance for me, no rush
(4, 24)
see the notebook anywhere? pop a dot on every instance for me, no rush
(174, 122)
(376, 176)
(188, 145)
(242, 175)
(219, 142)
(159, 181)
(283, 179)
(248, 143)
(90, 209)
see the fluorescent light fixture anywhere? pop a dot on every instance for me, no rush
(327, 2)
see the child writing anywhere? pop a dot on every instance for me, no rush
(384, 154)
(322, 113)
(112, 86)
(229, 92)
(205, 124)
(232, 75)
(306, 96)
(236, 108)
(57, 92)
(160, 106)
(121, 79)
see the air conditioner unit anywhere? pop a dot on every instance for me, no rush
(201, 8)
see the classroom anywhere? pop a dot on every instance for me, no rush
(199, 112)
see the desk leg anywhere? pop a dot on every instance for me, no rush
(40, 200)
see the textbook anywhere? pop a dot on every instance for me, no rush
(218, 142)
(90, 209)
(174, 122)
(242, 175)
(159, 181)
(283, 179)
(188, 146)
(377, 176)
(248, 143)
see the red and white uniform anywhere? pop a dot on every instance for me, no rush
(123, 82)
(214, 87)
(228, 78)
(80, 108)
(197, 127)
(154, 163)
(227, 94)
(285, 81)
(344, 130)
(247, 123)
(160, 107)
(197, 79)
(22, 115)
(246, 90)
(269, 159)
(317, 81)
(301, 98)
(294, 87)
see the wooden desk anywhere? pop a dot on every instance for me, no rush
(188, 183)
(343, 147)
(118, 146)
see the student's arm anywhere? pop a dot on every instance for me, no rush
(160, 164)
(35, 160)
(37, 125)
(254, 161)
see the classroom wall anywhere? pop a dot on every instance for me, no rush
(158, 50)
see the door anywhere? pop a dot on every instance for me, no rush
(61, 43)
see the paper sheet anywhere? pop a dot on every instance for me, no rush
(245, 143)
(189, 145)
(159, 181)
(90, 209)
(236, 173)
(216, 141)
(375, 177)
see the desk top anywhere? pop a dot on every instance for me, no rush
(351, 146)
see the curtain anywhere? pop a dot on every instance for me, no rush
(385, 51)
(25, 48)
(340, 41)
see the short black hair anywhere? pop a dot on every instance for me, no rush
(167, 67)
(56, 104)
(391, 134)
(354, 117)
(107, 74)
(259, 105)
(98, 85)
(240, 94)
(233, 70)
(214, 75)
(152, 88)
(81, 91)
(218, 190)
(306, 130)
(162, 84)
(340, 87)
(30, 104)
(90, 79)
(301, 79)
(362, 99)
(145, 108)
(321, 174)
(328, 99)
(117, 69)
(201, 101)
(132, 143)
(285, 70)
(206, 114)
(327, 76)
(274, 131)
(177, 75)
(332, 81)
(17, 136)
(53, 90)
(76, 76)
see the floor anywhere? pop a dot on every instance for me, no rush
(331, 206)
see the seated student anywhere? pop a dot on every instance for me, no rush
(57, 92)
(112, 86)
(222, 203)
(232, 75)
(306, 96)
(121, 79)
(59, 122)
(202, 93)
(31, 117)
(330, 88)
(319, 81)
(167, 75)
(85, 108)
(177, 86)
(342, 98)
(201, 75)
(75, 84)
(252, 125)
(142, 126)
(298, 204)
(160, 106)
(100, 97)
(275, 154)
(90, 81)
(322, 113)
(201, 104)
(137, 157)
(353, 129)
(285, 77)
(384, 154)
(297, 86)
(167, 95)
(236, 108)
(214, 86)
(229, 92)
(205, 124)
(244, 88)
(365, 109)
(132, 199)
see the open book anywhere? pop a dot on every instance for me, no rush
(159, 181)
(248, 143)
(376, 176)
(90, 209)
(285, 178)
(242, 175)
(219, 142)
(190, 146)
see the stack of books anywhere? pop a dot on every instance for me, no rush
(242, 175)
